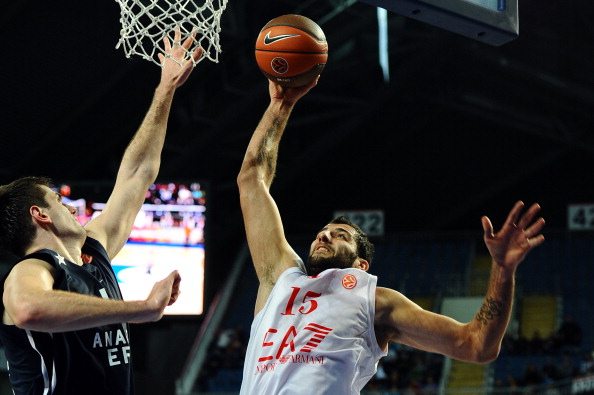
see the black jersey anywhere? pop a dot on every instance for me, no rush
(90, 361)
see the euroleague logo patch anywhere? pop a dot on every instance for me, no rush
(349, 281)
(279, 65)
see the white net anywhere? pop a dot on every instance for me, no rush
(146, 22)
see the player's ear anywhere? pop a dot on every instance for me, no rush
(39, 215)
(362, 264)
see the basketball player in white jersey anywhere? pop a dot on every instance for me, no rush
(322, 326)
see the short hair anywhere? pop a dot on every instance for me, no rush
(16, 228)
(365, 248)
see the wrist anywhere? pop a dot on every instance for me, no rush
(281, 107)
(165, 89)
(142, 311)
(502, 272)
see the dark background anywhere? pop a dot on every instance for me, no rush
(462, 129)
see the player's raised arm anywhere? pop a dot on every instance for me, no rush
(31, 302)
(271, 254)
(400, 320)
(141, 160)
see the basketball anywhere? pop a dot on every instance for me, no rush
(291, 50)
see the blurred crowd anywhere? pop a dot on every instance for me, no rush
(407, 371)
(550, 362)
(567, 339)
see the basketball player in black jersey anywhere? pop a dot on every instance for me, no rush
(64, 323)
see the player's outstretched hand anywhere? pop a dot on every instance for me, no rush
(163, 294)
(519, 234)
(176, 65)
(289, 95)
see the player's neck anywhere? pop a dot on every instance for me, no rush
(68, 247)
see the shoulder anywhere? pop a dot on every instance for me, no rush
(383, 297)
(30, 271)
(382, 294)
(390, 303)
(384, 324)
(293, 264)
(290, 274)
(46, 260)
(33, 266)
(44, 264)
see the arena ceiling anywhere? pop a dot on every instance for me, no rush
(461, 128)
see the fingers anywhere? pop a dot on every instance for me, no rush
(526, 219)
(173, 298)
(535, 228)
(167, 43)
(525, 222)
(530, 227)
(177, 36)
(197, 54)
(181, 53)
(176, 279)
(176, 40)
(189, 41)
(536, 241)
(487, 227)
(513, 215)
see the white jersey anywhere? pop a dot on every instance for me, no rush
(314, 336)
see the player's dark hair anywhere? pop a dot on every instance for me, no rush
(16, 228)
(365, 248)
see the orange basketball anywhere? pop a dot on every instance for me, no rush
(291, 50)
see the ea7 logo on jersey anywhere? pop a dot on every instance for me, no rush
(280, 352)
(349, 281)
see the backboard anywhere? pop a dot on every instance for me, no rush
(493, 22)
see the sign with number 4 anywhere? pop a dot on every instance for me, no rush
(580, 217)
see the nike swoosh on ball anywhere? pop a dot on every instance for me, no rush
(269, 40)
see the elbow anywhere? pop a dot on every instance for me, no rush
(23, 309)
(149, 172)
(247, 178)
(485, 355)
(242, 179)
(244, 175)
(26, 315)
(492, 355)
(484, 359)
(146, 172)
(476, 349)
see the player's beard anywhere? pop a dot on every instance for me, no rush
(342, 260)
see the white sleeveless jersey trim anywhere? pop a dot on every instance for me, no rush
(315, 335)
(49, 385)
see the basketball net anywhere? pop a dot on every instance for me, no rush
(146, 22)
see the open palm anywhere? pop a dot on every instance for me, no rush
(518, 235)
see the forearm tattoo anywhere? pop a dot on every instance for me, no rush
(490, 310)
